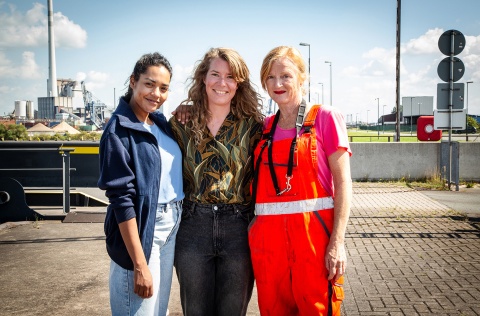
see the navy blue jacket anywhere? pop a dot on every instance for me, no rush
(130, 168)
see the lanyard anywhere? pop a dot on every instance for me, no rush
(289, 175)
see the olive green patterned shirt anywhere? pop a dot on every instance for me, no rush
(220, 168)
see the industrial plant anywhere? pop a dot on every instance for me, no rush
(66, 100)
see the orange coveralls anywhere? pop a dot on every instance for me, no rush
(291, 231)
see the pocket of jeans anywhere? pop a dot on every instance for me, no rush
(159, 216)
(338, 291)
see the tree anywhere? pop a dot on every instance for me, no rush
(13, 132)
(472, 122)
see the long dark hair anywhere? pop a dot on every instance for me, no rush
(147, 60)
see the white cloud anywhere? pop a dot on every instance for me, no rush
(30, 29)
(94, 80)
(28, 69)
(425, 44)
(67, 33)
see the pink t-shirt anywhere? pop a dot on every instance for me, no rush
(331, 135)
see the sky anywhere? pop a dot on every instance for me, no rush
(100, 41)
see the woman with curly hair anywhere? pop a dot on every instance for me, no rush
(212, 256)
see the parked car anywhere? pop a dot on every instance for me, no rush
(470, 130)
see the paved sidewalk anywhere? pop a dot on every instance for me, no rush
(408, 255)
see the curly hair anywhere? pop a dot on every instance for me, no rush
(246, 103)
(147, 60)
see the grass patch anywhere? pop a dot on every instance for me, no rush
(373, 137)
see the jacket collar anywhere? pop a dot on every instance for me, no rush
(128, 119)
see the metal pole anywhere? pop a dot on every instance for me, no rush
(322, 90)
(397, 70)
(66, 178)
(383, 119)
(411, 114)
(329, 62)
(378, 117)
(450, 107)
(306, 44)
(466, 116)
(367, 119)
(309, 75)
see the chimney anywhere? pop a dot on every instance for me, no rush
(52, 75)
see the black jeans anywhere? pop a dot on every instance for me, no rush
(212, 259)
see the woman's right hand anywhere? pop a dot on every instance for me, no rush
(142, 282)
(182, 113)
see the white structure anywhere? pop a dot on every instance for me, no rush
(52, 78)
(30, 110)
(20, 109)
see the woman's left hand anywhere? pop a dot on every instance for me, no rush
(335, 260)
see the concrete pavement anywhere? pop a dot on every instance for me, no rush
(410, 253)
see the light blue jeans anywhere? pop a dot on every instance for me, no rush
(123, 301)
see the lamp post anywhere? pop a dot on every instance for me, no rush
(306, 44)
(466, 116)
(411, 114)
(383, 119)
(329, 62)
(378, 114)
(356, 120)
(322, 90)
(367, 119)
(419, 107)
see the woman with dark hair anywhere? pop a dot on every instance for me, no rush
(141, 172)
(212, 257)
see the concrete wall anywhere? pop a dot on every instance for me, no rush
(385, 161)
(470, 161)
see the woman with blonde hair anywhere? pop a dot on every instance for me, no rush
(212, 257)
(302, 190)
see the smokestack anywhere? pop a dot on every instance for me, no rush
(52, 75)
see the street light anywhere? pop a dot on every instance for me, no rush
(466, 116)
(419, 111)
(378, 114)
(367, 119)
(305, 44)
(411, 114)
(329, 62)
(383, 119)
(322, 90)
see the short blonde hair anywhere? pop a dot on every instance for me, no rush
(280, 52)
